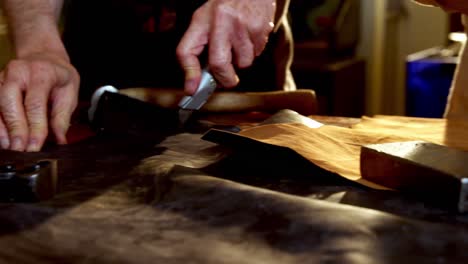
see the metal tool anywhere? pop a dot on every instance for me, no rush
(28, 183)
(189, 104)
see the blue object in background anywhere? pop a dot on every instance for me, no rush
(428, 82)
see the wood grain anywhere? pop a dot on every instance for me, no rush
(302, 101)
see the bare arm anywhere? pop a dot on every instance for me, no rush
(33, 26)
(39, 88)
(281, 10)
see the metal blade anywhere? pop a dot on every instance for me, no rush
(184, 116)
(189, 104)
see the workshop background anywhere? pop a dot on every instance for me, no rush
(365, 56)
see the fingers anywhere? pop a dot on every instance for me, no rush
(26, 88)
(238, 29)
(13, 117)
(243, 48)
(259, 36)
(43, 78)
(190, 47)
(4, 139)
(220, 50)
(11, 106)
(63, 103)
(35, 104)
(64, 100)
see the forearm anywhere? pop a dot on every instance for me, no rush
(281, 10)
(33, 26)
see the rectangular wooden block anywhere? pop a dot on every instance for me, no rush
(432, 171)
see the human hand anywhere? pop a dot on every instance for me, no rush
(36, 92)
(234, 31)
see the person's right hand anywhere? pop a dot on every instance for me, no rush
(37, 93)
(234, 32)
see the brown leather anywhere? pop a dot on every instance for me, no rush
(179, 199)
(337, 149)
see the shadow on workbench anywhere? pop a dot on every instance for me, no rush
(282, 169)
(191, 205)
(85, 170)
(286, 222)
(288, 172)
(127, 131)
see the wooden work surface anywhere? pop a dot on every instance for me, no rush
(179, 199)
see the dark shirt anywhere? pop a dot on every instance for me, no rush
(132, 43)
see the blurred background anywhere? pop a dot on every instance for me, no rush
(5, 46)
(365, 57)
(375, 57)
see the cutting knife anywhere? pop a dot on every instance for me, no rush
(189, 104)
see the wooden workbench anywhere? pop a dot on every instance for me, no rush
(179, 199)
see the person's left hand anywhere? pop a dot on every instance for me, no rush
(235, 31)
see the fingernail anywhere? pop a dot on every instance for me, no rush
(190, 86)
(4, 143)
(17, 144)
(33, 145)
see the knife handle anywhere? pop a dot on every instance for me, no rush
(302, 101)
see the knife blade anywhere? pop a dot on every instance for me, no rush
(189, 104)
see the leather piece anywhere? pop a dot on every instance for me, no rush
(172, 199)
(182, 199)
(319, 146)
(290, 116)
(337, 149)
(289, 229)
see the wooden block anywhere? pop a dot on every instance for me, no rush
(302, 101)
(433, 171)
